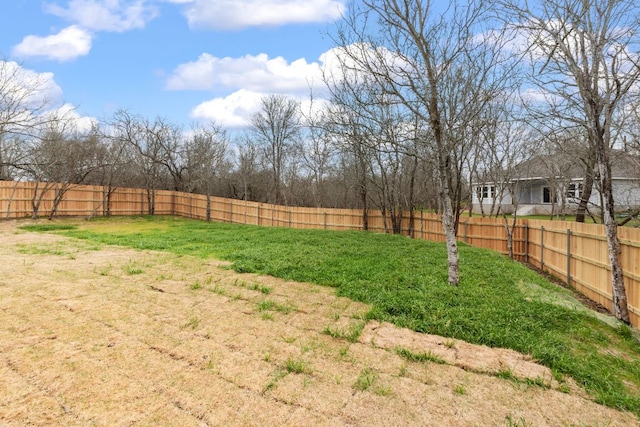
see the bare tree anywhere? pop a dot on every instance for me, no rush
(205, 154)
(380, 137)
(249, 180)
(23, 104)
(506, 152)
(349, 121)
(431, 61)
(318, 151)
(357, 160)
(276, 128)
(146, 150)
(116, 157)
(585, 61)
(169, 140)
(59, 160)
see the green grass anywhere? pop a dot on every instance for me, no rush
(269, 305)
(131, 269)
(350, 333)
(53, 226)
(459, 389)
(366, 379)
(296, 366)
(423, 357)
(499, 303)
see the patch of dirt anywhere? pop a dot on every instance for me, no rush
(109, 336)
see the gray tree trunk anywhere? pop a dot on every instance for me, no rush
(448, 223)
(620, 307)
(587, 189)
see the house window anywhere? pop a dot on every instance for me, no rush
(574, 190)
(486, 192)
(546, 195)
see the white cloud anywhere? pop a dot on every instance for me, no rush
(236, 109)
(21, 85)
(538, 96)
(233, 111)
(235, 14)
(105, 15)
(251, 77)
(26, 95)
(68, 44)
(68, 120)
(256, 73)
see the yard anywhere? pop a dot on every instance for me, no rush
(94, 334)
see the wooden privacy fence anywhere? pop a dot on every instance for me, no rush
(573, 252)
(576, 253)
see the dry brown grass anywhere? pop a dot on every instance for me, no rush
(120, 337)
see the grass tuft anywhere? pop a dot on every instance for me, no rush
(351, 333)
(270, 305)
(191, 323)
(296, 366)
(459, 389)
(422, 356)
(365, 380)
(132, 269)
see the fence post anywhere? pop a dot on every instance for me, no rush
(464, 237)
(526, 243)
(258, 216)
(542, 247)
(105, 206)
(324, 219)
(568, 256)
(289, 217)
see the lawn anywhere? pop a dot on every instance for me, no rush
(499, 303)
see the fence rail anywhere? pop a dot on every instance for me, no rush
(576, 253)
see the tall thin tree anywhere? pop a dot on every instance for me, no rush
(276, 127)
(585, 57)
(431, 60)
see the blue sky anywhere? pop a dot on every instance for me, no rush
(184, 60)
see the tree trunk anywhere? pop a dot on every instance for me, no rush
(365, 207)
(587, 189)
(13, 192)
(107, 200)
(151, 200)
(449, 226)
(36, 200)
(57, 199)
(508, 229)
(620, 308)
(412, 203)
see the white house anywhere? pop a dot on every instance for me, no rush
(554, 184)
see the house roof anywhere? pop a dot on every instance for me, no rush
(564, 165)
